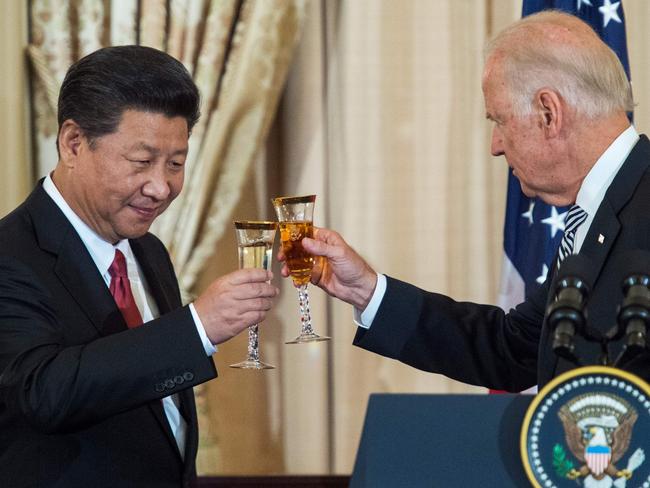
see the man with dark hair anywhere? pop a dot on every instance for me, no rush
(98, 356)
(98, 88)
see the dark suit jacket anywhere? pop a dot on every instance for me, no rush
(481, 344)
(79, 392)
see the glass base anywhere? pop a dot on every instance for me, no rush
(302, 338)
(252, 364)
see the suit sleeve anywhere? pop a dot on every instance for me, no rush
(61, 387)
(472, 343)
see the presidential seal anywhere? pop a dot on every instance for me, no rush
(589, 427)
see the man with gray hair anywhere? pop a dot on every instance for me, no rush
(558, 98)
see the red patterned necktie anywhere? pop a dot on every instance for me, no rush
(120, 288)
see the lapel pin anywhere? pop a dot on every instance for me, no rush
(601, 238)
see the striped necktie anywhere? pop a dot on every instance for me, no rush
(574, 218)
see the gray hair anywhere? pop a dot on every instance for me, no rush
(556, 50)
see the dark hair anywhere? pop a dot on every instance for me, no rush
(99, 87)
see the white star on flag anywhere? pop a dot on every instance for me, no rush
(609, 12)
(556, 221)
(542, 278)
(529, 214)
(586, 2)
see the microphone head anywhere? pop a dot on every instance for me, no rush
(577, 271)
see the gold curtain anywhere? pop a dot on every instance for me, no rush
(16, 169)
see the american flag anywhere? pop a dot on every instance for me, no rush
(533, 230)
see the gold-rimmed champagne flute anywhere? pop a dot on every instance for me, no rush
(295, 216)
(255, 248)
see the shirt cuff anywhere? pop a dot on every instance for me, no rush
(210, 348)
(364, 319)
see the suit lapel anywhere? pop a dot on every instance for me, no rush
(606, 225)
(74, 266)
(159, 286)
(76, 269)
(163, 292)
(601, 236)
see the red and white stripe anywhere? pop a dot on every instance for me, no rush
(597, 462)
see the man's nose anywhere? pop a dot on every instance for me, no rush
(496, 147)
(157, 184)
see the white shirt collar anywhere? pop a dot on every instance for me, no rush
(595, 185)
(101, 251)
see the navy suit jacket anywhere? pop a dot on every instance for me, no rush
(483, 345)
(80, 394)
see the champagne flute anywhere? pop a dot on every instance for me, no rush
(255, 246)
(295, 215)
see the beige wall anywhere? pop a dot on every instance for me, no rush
(637, 15)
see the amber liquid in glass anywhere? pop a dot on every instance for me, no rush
(299, 262)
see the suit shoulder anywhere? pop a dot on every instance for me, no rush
(16, 231)
(151, 243)
(152, 247)
(18, 217)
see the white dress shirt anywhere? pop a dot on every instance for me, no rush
(591, 194)
(595, 185)
(103, 253)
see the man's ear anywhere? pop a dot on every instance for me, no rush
(550, 108)
(70, 139)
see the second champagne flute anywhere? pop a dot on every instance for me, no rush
(255, 247)
(295, 215)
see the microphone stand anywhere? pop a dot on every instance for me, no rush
(566, 316)
(633, 317)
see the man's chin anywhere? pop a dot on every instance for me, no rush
(133, 231)
(527, 191)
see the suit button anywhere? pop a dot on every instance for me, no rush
(179, 380)
(159, 387)
(170, 384)
(188, 376)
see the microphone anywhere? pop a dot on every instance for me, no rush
(567, 315)
(634, 312)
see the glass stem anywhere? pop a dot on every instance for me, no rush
(305, 314)
(253, 343)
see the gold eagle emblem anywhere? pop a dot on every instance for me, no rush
(598, 429)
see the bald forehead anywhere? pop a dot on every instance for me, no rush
(537, 37)
(549, 27)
